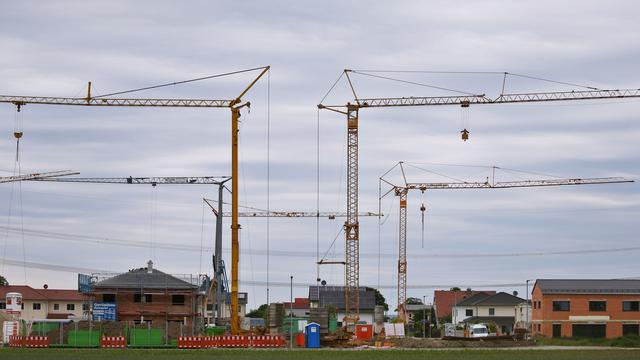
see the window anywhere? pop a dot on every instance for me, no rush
(535, 304)
(557, 330)
(468, 312)
(589, 330)
(71, 307)
(539, 328)
(630, 329)
(561, 306)
(56, 306)
(147, 298)
(36, 306)
(597, 306)
(177, 299)
(631, 306)
(492, 311)
(85, 307)
(109, 298)
(209, 307)
(3, 305)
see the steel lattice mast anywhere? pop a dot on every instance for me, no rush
(235, 105)
(351, 110)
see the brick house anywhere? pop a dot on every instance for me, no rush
(148, 295)
(323, 296)
(586, 308)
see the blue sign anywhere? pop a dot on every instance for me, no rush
(103, 311)
(84, 283)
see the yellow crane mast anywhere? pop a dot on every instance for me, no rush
(234, 104)
(351, 111)
(401, 191)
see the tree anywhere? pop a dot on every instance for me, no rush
(417, 322)
(454, 289)
(261, 312)
(380, 300)
(413, 301)
(3, 281)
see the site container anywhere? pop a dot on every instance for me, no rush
(364, 332)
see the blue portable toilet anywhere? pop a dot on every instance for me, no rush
(312, 335)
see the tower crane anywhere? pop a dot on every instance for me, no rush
(218, 265)
(351, 111)
(402, 193)
(36, 176)
(234, 104)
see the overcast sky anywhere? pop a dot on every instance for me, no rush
(55, 48)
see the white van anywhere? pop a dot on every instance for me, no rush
(478, 330)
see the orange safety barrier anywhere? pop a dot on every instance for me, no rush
(230, 341)
(29, 341)
(113, 342)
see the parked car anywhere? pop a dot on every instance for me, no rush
(478, 330)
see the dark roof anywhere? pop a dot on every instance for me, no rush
(471, 300)
(143, 279)
(588, 286)
(499, 299)
(444, 300)
(334, 296)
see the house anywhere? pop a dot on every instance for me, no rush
(148, 295)
(412, 309)
(299, 307)
(444, 300)
(40, 304)
(595, 308)
(499, 309)
(323, 296)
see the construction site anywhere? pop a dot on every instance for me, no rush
(231, 207)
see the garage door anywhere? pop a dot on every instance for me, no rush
(589, 330)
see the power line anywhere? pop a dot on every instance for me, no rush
(298, 253)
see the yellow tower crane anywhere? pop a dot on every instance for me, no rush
(234, 104)
(351, 111)
(401, 191)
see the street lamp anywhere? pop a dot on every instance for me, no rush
(424, 317)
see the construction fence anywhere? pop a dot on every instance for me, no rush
(127, 334)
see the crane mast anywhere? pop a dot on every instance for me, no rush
(235, 105)
(351, 110)
(402, 192)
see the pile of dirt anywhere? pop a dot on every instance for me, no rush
(441, 343)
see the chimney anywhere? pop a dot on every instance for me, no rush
(149, 267)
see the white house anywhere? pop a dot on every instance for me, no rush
(499, 309)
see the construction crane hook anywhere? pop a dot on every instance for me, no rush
(465, 134)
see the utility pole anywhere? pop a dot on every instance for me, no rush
(424, 318)
(527, 307)
(291, 314)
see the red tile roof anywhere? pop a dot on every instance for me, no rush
(443, 300)
(298, 303)
(29, 293)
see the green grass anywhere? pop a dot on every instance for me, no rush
(71, 354)
(626, 341)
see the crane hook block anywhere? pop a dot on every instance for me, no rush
(17, 134)
(465, 134)
(423, 208)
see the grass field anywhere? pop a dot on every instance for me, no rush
(536, 354)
